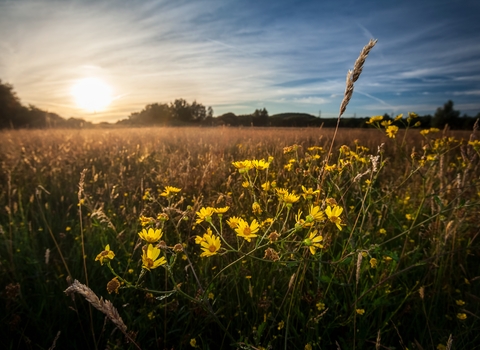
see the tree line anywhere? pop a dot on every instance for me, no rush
(14, 115)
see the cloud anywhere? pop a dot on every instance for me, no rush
(231, 54)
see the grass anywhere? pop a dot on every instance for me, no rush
(402, 272)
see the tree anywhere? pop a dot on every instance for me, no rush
(260, 117)
(446, 115)
(11, 109)
(152, 114)
(184, 113)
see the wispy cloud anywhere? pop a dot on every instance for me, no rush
(237, 56)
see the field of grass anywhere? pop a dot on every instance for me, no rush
(244, 238)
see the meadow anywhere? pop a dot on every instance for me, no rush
(246, 238)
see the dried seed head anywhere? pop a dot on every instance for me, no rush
(113, 286)
(271, 254)
(161, 245)
(273, 237)
(178, 248)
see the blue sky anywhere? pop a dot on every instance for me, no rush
(236, 56)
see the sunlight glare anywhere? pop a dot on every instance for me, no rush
(92, 94)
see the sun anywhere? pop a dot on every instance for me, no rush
(92, 94)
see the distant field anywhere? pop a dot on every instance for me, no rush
(259, 238)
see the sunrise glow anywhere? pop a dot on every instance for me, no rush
(92, 94)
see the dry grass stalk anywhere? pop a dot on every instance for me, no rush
(359, 265)
(104, 306)
(55, 341)
(449, 342)
(352, 76)
(377, 343)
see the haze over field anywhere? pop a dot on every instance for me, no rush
(102, 60)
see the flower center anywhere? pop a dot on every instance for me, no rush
(149, 262)
(212, 249)
(333, 218)
(247, 231)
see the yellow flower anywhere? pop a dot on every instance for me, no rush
(313, 242)
(266, 186)
(210, 245)
(382, 231)
(281, 324)
(360, 311)
(462, 316)
(245, 184)
(106, 255)
(193, 343)
(309, 193)
(460, 302)
(204, 214)
(243, 166)
(386, 123)
(375, 119)
(308, 346)
(151, 236)
(221, 210)
(200, 239)
(391, 131)
(162, 217)
(475, 144)
(267, 222)
(373, 263)
(320, 306)
(150, 258)
(315, 214)
(170, 191)
(333, 215)
(144, 220)
(247, 231)
(233, 221)
(315, 148)
(288, 198)
(256, 208)
(330, 167)
(398, 117)
(260, 164)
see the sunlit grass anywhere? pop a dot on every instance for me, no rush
(243, 238)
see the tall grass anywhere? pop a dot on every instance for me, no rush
(400, 269)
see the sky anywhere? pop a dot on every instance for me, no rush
(238, 56)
